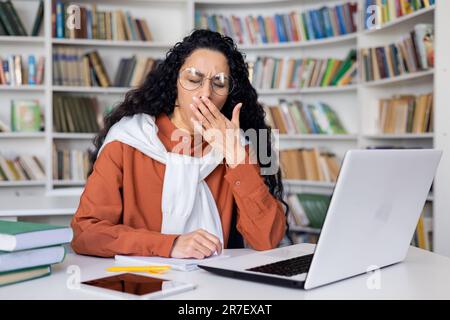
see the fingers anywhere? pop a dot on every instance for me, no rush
(203, 114)
(213, 240)
(236, 113)
(211, 107)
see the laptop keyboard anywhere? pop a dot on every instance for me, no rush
(288, 268)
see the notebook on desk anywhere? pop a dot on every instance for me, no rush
(176, 264)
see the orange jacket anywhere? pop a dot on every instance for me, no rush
(120, 208)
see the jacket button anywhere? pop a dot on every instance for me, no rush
(238, 183)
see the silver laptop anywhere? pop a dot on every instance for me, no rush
(370, 222)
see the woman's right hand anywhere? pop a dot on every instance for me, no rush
(197, 244)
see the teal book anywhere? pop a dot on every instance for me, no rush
(18, 235)
(18, 260)
(17, 276)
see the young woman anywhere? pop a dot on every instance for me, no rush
(145, 196)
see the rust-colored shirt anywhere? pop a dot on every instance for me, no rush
(120, 208)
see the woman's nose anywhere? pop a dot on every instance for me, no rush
(205, 89)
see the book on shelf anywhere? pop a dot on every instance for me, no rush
(99, 24)
(133, 71)
(290, 73)
(75, 114)
(4, 127)
(70, 164)
(15, 72)
(423, 236)
(309, 164)
(406, 114)
(320, 23)
(10, 22)
(27, 250)
(295, 117)
(390, 10)
(26, 116)
(414, 52)
(72, 67)
(21, 168)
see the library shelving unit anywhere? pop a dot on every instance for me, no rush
(170, 20)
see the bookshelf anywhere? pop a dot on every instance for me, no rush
(169, 21)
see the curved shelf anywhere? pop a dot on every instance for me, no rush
(343, 137)
(112, 43)
(73, 136)
(21, 39)
(308, 90)
(23, 87)
(399, 79)
(112, 90)
(22, 135)
(412, 136)
(22, 183)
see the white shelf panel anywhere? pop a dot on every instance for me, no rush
(268, 92)
(22, 135)
(300, 44)
(68, 182)
(412, 136)
(23, 183)
(73, 136)
(318, 137)
(110, 90)
(400, 20)
(304, 229)
(307, 183)
(22, 39)
(24, 87)
(112, 43)
(400, 79)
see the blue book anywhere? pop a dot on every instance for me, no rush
(262, 29)
(210, 23)
(316, 24)
(89, 23)
(310, 119)
(60, 20)
(31, 69)
(131, 24)
(327, 22)
(309, 26)
(280, 29)
(341, 20)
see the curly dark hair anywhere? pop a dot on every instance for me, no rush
(158, 93)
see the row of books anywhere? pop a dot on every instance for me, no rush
(308, 209)
(304, 237)
(21, 168)
(309, 164)
(12, 25)
(72, 67)
(413, 53)
(70, 164)
(75, 114)
(313, 24)
(295, 117)
(406, 114)
(133, 71)
(96, 24)
(390, 10)
(276, 73)
(15, 72)
(28, 250)
(423, 237)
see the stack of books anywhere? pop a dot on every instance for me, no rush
(413, 53)
(73, 68)
(26, 116)
(133, 71)
(294, 117)
(28, 250)
(12, 25)
(313, 24)
(101, 25)
(277, 73)
(309, 164)
(390, 10)
(423, 237)
(21, 168)
(406, 114)
(15, 72)
(75, 114)
(70, 164)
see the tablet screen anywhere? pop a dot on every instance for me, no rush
(130, 283)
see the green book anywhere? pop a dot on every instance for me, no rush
(18, 235)
(316, 207)
(15, 18)
(38, 21)
(25, 116)
(351, 57)
(16, 276)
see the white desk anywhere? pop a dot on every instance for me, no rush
(423, 275)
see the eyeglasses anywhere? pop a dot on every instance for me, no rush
(192, 79)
